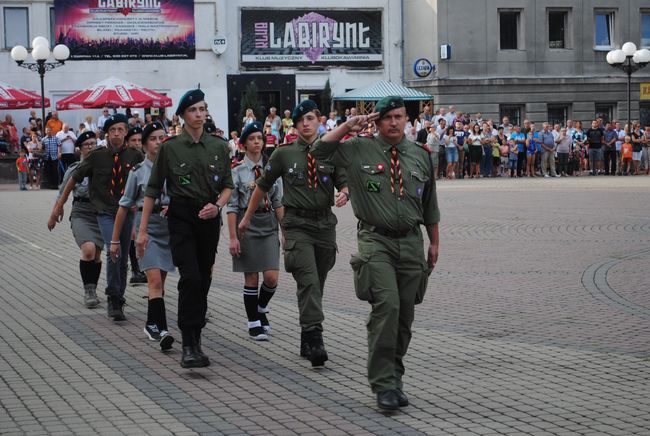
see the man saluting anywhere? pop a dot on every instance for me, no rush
(393, 191)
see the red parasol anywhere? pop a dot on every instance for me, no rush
(115, 93)
(14, 98)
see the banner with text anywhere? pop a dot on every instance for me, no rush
(126, 29)
(304, 37)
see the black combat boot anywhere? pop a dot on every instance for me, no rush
(305, 351)
(317, 354)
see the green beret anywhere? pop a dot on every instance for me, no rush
(387, 104)
(114, 119)
(253, 127)
(302, 108)
(133, 131)
(188, 99)
(149, 129)
(84, 137)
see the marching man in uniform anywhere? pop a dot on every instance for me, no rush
(393, 192)
(196, 168)
(309, 226)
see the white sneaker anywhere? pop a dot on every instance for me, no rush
(546, 175)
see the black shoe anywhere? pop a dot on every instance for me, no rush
(191, 358)
(152, 332)
(317, 354)
(258, 334)
(115, 308)
(197, 338)
(388, 400)
(305, 351)
(138, 278)
(402, 399)
(166, 340)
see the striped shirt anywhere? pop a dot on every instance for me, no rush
(51, 147)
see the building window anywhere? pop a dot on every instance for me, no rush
(557, 114)
(645, 29)
(604, 111)
(644, 114)
(604, 30)
(557, 29)
(513, 112)
(510, 30)
(16, 24)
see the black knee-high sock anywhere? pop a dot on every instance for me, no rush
(97, 271)
(86, 268)
(250, 303)
(135, 266)
(266, 293)
(151, 315)
(159, 317)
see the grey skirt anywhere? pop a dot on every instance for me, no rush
(260, 248)
(158, 254)
(83, 222)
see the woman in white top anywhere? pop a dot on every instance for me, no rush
(475, 151)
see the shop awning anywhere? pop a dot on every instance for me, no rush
(381, 89)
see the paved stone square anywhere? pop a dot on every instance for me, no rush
(536, 321)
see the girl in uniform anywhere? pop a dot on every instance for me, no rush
(157, 259)
(259, 250)
(83, 220)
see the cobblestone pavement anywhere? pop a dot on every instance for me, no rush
(537, 321)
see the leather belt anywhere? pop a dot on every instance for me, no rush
(189, 202)
(81, 199)
(262, 210)
(394, 234)
(308, 213)
(156, 209)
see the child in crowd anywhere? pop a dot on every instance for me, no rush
(626, 156)
(512, 158)
(22, 165)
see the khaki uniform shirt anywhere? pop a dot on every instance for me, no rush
(98, 166)
(290, 163)
(196, 171)
(367, 162)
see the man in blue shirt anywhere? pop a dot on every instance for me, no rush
(547, 144)
(519, 138)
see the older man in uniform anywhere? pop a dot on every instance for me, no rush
(393, 192)
(108, 168)
(196, 168)
(308, 224)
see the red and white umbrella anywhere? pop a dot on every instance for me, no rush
(15, 98)
(114, 92)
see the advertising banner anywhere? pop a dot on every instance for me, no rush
(316, 37)
(126, 29)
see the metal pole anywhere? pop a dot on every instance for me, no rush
(629, 94)
(41, 72)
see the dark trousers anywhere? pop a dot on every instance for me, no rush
(563, 163)
(521, 163)
(610, 160)
(50, 175)
(194, 245)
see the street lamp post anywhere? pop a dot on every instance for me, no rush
(40, 53)
(629, 59)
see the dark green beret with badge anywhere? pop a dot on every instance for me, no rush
(149, 129)
(387, 104)
(133, 131)
(303, 107)
(114, 119)
(253, 127)
(188, 99)
(84, 137)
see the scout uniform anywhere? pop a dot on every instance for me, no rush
(137, 276)
(393, 192)
(309, 228)
(195, 174)
(260, 246)
(83, 221)
(107, 170)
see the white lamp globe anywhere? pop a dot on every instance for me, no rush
(19, 53)
(41, 53)
(616, 57)
(629, 48)
(609, 58)
(642, 56)
(61, 52)
(40, 40)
